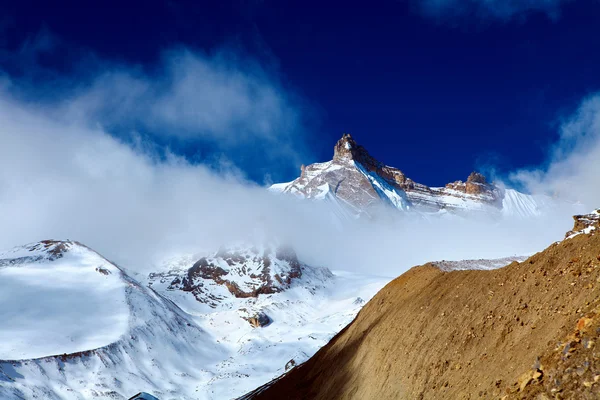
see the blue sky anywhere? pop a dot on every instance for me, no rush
(436, 88)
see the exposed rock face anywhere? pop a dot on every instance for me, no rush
(259, 320)
(585, 223)
(361, 183)
(530, 330)
(290, 364)
(347, 149)
(476, 177)
(476, 184)
(48, 250)
(244, 272)
(54, 248)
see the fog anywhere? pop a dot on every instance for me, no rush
(65, 175)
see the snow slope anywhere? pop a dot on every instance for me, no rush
(52, 325)
(148, 345)
(303, 318)
(388, 193)
(121, 337)
(517, 204)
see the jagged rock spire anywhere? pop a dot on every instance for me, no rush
(345, 147)
(476, 177)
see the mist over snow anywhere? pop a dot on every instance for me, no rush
(64, 174)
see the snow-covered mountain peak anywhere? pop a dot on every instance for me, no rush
(358, 183)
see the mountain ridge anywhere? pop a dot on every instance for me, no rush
(360, 183)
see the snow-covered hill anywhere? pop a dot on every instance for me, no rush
(51, 325)
(76, 326)
(279, 312)
(359, 183)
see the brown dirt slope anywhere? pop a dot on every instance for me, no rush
(528, 330)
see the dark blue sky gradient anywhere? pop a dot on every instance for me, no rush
(433, 98)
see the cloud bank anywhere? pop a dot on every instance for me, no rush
(573, 168)
(221, 104)
(488, 9)
(64, 173)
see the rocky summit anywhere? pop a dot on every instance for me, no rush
(360, 183)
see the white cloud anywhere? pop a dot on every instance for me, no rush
(63, 174)
(573, 169)
(496, 9)
(222, 103)
(63, 179)
(221, 97)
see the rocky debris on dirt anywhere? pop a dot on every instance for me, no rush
(525, 331)
(571, 368)
(532, 376)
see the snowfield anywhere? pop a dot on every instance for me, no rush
(304, 318)
(75, 326)
(78, 303)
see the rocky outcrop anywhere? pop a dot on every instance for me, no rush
(585, 223)
(346, 149)
(45, 250)
(259, 320)
(290, 364)
(530, 330)
(244, 271)
(476, 184)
